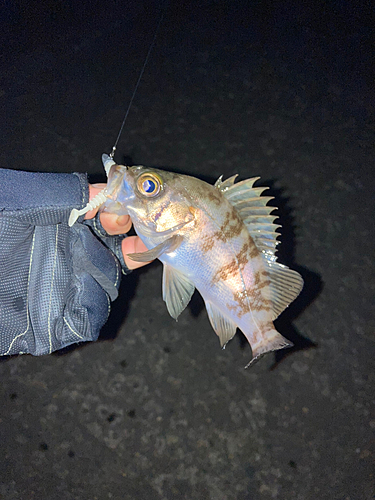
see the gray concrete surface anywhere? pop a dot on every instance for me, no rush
(155, 410)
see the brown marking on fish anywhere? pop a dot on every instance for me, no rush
(212, 194)
(225, 271)
(215, 197)
(206, 192)
(242, 304)
(234, 266)
(242, 301)
(246, 302)
(231, 227)
(208, 243)
(252, 299)
(259, 302)
(242, 256)
(261, 279)
(254, 252)
(257, 278)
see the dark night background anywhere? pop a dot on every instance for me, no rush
(155, 410)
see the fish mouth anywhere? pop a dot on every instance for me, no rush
(108, 162)
(116, 198)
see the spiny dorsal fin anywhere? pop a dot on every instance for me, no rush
(253, 210)
(223, 186)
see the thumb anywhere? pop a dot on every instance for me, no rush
(112, 223)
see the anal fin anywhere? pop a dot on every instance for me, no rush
(224, 328)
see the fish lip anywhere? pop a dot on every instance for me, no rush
(108, 163)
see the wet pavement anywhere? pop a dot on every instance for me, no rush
(155, 409)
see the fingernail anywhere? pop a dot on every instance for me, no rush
(100, 185)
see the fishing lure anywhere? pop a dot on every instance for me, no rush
(98, 200)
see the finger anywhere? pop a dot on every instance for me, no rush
(133, 244)
(112, 223)
(115, 224)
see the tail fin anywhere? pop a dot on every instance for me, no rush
(271, 341)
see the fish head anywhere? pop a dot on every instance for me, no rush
(156, 200)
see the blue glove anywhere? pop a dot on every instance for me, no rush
(57, 282)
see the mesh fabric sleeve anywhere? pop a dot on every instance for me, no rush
(57, 282)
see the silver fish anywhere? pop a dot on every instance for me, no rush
(218, 239)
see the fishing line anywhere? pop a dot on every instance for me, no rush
(101, 197)
(138, 81)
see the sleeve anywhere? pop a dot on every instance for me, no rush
(57, 282)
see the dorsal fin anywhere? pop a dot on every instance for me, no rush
(251, 207)
(286, 284)
(223, 186)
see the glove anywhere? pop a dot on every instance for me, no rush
(57, 282)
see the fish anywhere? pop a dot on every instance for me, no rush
(220, 239)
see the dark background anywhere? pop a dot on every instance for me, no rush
(155, 410)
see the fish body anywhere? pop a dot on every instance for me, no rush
(218, 239)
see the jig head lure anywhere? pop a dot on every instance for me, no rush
(98, 200)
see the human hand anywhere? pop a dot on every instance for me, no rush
(118, 224)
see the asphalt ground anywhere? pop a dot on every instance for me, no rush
(155, 409)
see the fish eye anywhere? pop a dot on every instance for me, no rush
(149, 184)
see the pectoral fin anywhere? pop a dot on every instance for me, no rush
(177, 291)
(224, 328)
(150, 233)
(167, 246)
